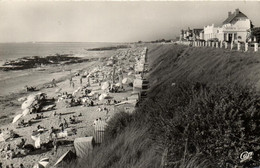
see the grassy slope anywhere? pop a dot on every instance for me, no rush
(134, 146)
(205, 65)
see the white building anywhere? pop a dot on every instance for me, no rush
(235, 27)
(211, 32)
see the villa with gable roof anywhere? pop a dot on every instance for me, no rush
(235, 28)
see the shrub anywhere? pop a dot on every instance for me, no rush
(219, 121)
(117, 124)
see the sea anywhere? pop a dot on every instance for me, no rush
(13, 51)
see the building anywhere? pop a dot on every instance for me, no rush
(236, 27)
(190, 34)
(211, 32)
(196, 34)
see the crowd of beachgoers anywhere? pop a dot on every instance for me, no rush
(51, 118)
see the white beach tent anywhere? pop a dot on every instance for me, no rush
(83, 146)
(138, 83)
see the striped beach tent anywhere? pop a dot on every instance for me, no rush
(99, 130)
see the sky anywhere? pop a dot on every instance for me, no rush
(114, 21)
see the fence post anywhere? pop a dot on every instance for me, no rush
(256, 47)
(206, 44)
(238, 46)
(231, 45)
(216, 44)
(246, 46)
(212, 43)
(221, 44)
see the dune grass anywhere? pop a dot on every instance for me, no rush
(206, 119)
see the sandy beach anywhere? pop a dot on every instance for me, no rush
(14, 89)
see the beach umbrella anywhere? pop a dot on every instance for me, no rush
(42, 163)
(17, 117)
(105, 85)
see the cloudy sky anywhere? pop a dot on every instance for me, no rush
(111, 21)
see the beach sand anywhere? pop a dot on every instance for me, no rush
(11, 107)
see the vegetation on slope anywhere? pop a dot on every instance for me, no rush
(200, 112)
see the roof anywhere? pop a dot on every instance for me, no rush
(237, 13)
(197, 31)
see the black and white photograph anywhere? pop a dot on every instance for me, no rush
(129, 84)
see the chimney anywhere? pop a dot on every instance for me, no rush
(237, 11)
(229, 14)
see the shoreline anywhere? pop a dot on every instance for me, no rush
(9, 104)
(85, 114)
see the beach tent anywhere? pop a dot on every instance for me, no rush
(99, 130)
(65, 158)
(83, 146)
(42, 163)
(17, 117)
(138, 83)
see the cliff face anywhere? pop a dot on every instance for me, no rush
(198, 97)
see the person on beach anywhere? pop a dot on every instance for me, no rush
(55, 147)
(54, 83)
(70, 79)
(59, 117)
(62, 127)
(21, 144)
(66, 125)
(52, 133)
(80, 80)
(21, 166)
